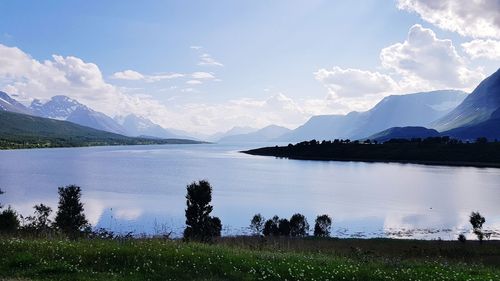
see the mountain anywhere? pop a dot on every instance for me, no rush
(404, 133)
(489, 129)
(140, 126)
(24, 131)
(268, 133)
(476, 108)
(67, 109)
(238, 130)
(9, 104)
(418, 109)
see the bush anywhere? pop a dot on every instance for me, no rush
(322, 226)
(9, 221)
(462, 238)
(40, 221)
(70, 217)
(298, 226)
(257, 224)
(200, 226)
(271, 227)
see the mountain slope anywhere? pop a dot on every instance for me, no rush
(268, 133)
(9, 104)
(476, 108)
(404, 133)
(23, 131)
(489, 129)
(64, 108)
(419, 109)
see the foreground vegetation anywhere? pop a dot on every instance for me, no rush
(433, 150)
(232, 260)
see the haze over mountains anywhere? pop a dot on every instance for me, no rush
(268, 133)
(419, 109)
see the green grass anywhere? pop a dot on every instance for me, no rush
(225, 260)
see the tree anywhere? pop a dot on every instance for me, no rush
(322, 226)
(40, 222)
(271, 227)
(1, 192)
(477, 221)
(298, 225)
(200, 226)
(70, 217)
(257, 224)
(284, 227)
(9, 221)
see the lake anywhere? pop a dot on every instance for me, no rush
(141, 189)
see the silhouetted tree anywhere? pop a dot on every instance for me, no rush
(257, 224)
(271, 227)
(284, 227)
(40, 222)
(298, 225)
(477, 221)
(1, 192)
(322, 226)
(462, 238)
(200, 226)
(9, 221)
(70, 217)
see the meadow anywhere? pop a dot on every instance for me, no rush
(248, 258)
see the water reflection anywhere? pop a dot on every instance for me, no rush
(142, 189)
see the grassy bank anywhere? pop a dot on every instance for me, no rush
(249, 259)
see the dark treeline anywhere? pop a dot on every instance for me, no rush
(433, 150)
(70, 220)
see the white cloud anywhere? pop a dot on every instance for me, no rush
(128, 75)
(194, 82)
(475, 18)
(207, 59)
(478, 48)
(196, 47)
(134, 75)
(427, 62)
(202, 75)
(352, 83)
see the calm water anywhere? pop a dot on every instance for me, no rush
(142, 189)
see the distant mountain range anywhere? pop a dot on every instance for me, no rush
(268, 133)
(419, 109)
(449, 112)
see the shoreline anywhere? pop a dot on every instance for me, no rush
(418, 162)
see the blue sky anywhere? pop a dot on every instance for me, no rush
(209, 65)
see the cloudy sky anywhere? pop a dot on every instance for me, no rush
(206, 66)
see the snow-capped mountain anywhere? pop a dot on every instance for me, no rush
(65, 108)
(140, 126)
(9, 104)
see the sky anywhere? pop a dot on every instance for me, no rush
(207, 66)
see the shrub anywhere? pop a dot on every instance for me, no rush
(322, 226)
(70, 217)
(257, 224)
(462, 238)
(298, 226)
(477, 221)
(40, 222)
(9, 221)
(200, 226)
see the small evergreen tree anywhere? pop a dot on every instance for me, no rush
(298, 226)
(271, 227)
(477, 221)
(200, 226)
(1, 192)
(70, 217)
(257, 224)
(322, 226)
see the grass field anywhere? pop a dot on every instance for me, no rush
(248, 259)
